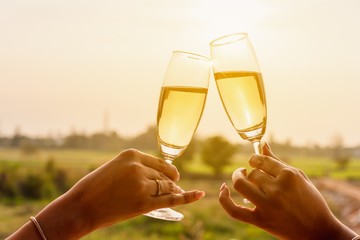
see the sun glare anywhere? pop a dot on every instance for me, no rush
(228, 16)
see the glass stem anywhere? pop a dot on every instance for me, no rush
(257, 147)
(169, 159)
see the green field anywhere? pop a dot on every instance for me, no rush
(83, 160)
(203, 220)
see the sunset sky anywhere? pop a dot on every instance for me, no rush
(64, 63)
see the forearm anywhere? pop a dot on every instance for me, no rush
(61, 219)
(329, 229)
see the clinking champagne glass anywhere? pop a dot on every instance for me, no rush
(181, 104)
(240, 85)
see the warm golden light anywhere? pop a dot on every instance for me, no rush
(63, 63)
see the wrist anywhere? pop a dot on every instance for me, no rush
(64, 218)
(339, 231)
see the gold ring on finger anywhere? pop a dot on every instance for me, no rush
(159, 188)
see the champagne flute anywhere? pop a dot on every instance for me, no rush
(181, 104)
(240, 85)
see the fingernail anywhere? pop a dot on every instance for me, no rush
(243, 171)
(225, 187)
(199, 194)
(222, 186)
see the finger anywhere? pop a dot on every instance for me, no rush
(240, 172)
(164, 187)
(172, 200)
(152, 174)
(161, 165)
(246, 188)
(236, 211)
(266, 150)
(261, 179)
(267, 164)
(304, 175)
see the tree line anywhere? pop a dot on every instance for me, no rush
(215, 151)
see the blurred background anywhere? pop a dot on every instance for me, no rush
(80, 81)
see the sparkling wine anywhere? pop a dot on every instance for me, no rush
(179, 113)
(243, 96)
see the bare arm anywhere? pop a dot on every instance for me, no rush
(119, 190)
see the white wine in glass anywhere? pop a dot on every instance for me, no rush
(240, 86)
(181, 104)
(180, 110)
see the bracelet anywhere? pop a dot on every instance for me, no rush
(356, 237)
(37, 225)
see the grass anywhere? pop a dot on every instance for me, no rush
(322, 166)
(81, 159)
(68, 157)
(11, 218)
(312, 166)
(204, 220)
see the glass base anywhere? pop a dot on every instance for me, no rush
(170, 152)
(254, 133)
(165, 214)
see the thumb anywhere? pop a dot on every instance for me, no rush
(266, 150)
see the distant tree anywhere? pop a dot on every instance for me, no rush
(8, 185)
(50, 167)
(217, 152)
(31, 187)
(29, 148)
(315, 149)
(45, 142)
(44, 183)
(58, 176)
(340, 156)
(61, 180)
(5, 142)
(146, 141)
(18, 138)
(106, 141)
(188, 155)
(75, 140)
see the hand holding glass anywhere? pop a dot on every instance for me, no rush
(181, 104)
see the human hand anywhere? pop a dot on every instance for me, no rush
(287, 204)
(122, 188)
